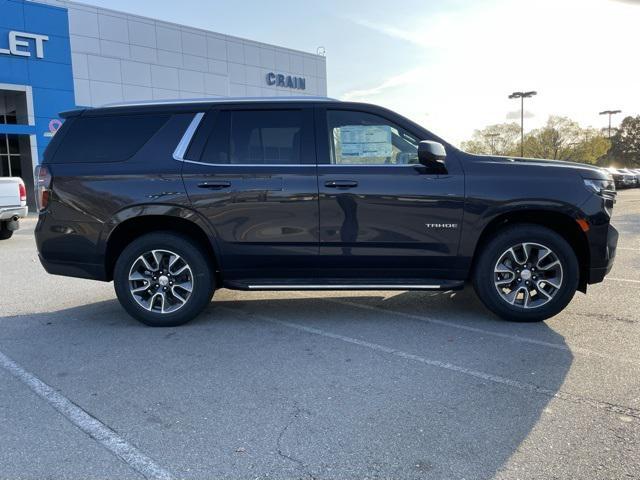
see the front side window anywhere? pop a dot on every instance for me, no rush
(256, 137)
(359, 138)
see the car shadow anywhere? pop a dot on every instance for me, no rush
(337, 408)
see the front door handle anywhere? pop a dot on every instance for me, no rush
(214, 185)
(341, 183)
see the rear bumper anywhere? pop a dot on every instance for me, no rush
(70, 248)
(603, 267)
(7, 213)
(73, 269)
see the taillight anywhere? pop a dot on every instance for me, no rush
(23, 192)
(43, 184)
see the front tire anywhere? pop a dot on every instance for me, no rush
(163, 279)
(526, 273)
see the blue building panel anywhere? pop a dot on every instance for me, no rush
(53, 101)
(50, 77)
(57, 49)
(44, 19)
(18, 129)
(13, 70)
(12, 15)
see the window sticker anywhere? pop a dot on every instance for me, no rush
(365, 141)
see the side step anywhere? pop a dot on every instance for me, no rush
(344, 284)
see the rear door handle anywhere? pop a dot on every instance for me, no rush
(214, 185)
(341, 183)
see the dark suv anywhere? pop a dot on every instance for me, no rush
(173, 200)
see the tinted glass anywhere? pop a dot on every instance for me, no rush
(14, 144)
(266, 137)
(16, 166)
(358, 138)
(107, 139)
(216, 149)
(255, 137)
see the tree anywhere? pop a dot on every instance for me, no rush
(625, 144)
(560, 139)
(554, 141)
(594, 147)
(563, 139)
(499, 139)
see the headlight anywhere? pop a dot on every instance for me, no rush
(604, 188)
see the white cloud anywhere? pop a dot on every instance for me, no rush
(406, 78)
(432, 38)
(580, 55)
(515, 115)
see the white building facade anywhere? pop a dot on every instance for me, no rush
(122, 57)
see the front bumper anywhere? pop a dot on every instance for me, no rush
(597, 273)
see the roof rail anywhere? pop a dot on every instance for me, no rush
(214, 100)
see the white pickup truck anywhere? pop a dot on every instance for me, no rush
(13, 205)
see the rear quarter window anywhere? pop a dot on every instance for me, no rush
(106, 139)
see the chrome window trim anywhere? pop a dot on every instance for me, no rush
(413, 165)
(185, 141)
(250, 164)
(187, 137)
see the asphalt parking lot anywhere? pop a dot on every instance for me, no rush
(345, 385)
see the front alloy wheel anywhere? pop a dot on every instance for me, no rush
(528, 275)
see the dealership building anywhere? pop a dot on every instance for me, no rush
(56, 55)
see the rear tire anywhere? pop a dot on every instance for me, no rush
(163, 279)
(528, 290)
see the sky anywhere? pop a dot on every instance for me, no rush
(448, 65)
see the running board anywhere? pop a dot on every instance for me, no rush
(344, 284)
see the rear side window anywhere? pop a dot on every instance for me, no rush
(56, 141)
(257, 137)
(107, 139)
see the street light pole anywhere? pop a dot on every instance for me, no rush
(610, 112)
(522, 96)
(492, 143)
(522, 125)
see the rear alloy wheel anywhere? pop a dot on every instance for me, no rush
(526, 273)
(163, 279)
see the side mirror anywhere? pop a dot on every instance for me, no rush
(432, 154)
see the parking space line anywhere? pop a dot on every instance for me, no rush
(508, 336)
(508, 382)
(622, 280)
(90, 425)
